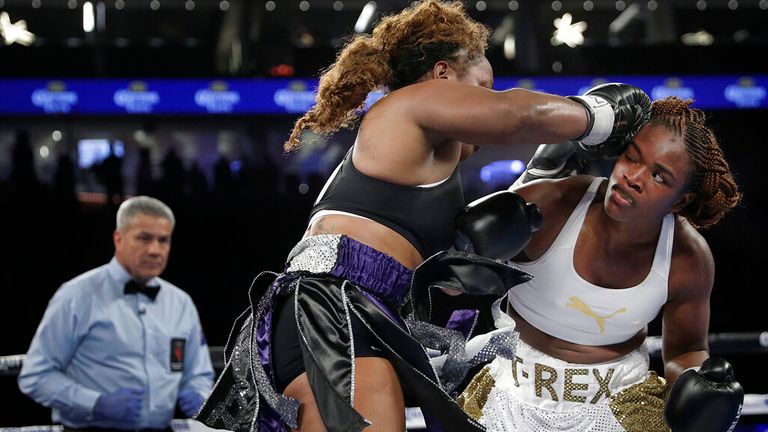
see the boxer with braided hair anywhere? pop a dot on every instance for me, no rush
(716, 190)
(325, 347)
(611, 254)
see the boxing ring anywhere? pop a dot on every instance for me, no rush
(720, 344)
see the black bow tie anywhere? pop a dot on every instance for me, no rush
(133, 287)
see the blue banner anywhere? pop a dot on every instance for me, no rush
(293, 96)
(708, 92)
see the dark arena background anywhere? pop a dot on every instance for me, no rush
(191, 100)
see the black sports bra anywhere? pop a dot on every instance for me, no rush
(424, 215)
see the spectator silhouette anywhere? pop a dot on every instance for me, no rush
(145, 184)
(172, 180)
(64, 180)
(268, 177)
(110, 171)
(259, 176)
(222, 176)
(196, 180)
(247, 182)
(23, 179)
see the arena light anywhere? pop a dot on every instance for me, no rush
(568, 32)
(505, 28)
(624, 18)
(504, 35)
(510, 47)
(502, 171)
(16, 32)
(101, 16)
(89, 19)
(699, 38)
(366, 15)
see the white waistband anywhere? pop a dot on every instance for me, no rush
(548, 383)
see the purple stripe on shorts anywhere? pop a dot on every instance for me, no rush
(375, 271)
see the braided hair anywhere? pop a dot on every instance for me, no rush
(712, 183)
(400, 51)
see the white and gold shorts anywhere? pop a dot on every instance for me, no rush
(538, 393)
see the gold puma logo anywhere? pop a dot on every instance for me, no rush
(584, 308)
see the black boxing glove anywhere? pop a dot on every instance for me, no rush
(552, 161)
(707, 400)
(616, 112)
(497, 226)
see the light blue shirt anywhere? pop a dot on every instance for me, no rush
(94, 339)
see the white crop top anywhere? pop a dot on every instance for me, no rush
(560, 303)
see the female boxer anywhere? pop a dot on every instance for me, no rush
(610, 255)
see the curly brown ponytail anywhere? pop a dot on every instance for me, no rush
(399, 52)
(715, 189)
(360, 68)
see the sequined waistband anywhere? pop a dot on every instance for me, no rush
(343, 257)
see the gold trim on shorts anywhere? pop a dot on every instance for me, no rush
(473, 398)
(640, 407)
